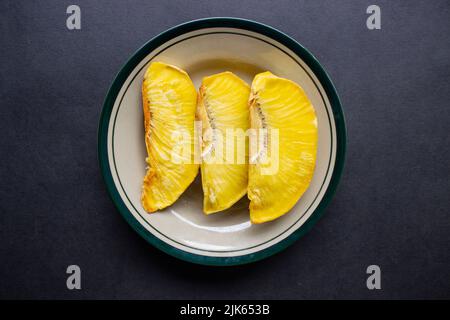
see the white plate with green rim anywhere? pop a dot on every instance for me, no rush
(204, 47)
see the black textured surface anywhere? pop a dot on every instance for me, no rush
(391, 208)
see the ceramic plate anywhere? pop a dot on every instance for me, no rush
(204, 47)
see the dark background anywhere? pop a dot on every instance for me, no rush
(391, 208)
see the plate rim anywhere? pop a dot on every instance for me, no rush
(222, 22)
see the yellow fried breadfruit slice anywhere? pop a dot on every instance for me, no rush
(169, 102)
(223, 111)
(283, 151)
